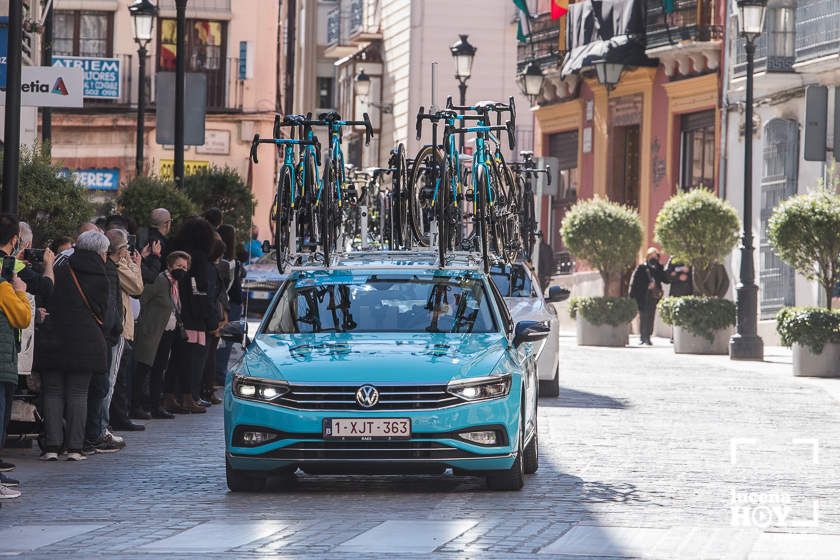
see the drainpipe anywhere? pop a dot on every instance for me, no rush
(724, 103)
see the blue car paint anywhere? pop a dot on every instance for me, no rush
(384, 358)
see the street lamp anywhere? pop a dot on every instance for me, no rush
(531, 81)
(361, 87)
(745, 344)
(143, 14)
(464, 54)
(609, 73)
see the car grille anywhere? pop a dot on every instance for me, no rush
(397, 397)
(369, 451)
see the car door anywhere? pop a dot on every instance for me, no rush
(550, 355)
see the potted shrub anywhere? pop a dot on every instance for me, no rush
(702, 324)
(804, 231)
(699, 229)
(607, 236)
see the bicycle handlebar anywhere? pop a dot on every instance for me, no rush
(332, 118)
(255, 143)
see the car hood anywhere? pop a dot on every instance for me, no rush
(375, 358)
(527, 309)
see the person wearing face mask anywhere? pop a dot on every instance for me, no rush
(156, 331)
(646, 289)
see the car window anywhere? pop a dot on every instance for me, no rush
(503, 308)
(513, 281)
(365, 303)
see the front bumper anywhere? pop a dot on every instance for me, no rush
(435, 443)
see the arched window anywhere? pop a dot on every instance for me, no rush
(778, 182)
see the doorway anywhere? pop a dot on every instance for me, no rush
(626, 151)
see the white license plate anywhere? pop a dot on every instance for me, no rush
(367, 429)
(260, 295)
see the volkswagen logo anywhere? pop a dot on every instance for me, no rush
(367, 396)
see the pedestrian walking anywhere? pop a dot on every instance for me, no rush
(646, 289)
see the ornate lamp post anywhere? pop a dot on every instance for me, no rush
(463, 53)
(143, 14)
(609, 73)
(361, 87)
(745, 344)
(530, 81)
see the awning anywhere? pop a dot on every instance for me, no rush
(605, 29)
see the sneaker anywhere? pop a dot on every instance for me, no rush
(76, 456)
(88, 448)
(117, 439)
(7, 493)
(108, 444)
(49, 456)
(6, 481)
(6, 467)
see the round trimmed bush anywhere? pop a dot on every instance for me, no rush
(700, 229)
(700, 315)
(811, 327)
(604, 234)
(143, 194)
(604, 310)
(804, 231)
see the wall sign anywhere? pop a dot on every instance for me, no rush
(44, 86)
(102, 75)
(216, 142)
(95, 178)
(587, 140)
(191, 167)
(4, 48)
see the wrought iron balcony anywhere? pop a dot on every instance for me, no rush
(543, 46)
(690, 21)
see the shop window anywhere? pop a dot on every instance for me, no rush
(205, 42)
(80, 33)
(326, 86)
(697, 153)
(564, 147)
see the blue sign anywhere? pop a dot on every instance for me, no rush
(102, 75)
(4, 48)
(95, 178)
(243, 59)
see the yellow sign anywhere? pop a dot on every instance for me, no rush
(190, 167)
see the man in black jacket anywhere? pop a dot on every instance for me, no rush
(646, 289)
(155, 252)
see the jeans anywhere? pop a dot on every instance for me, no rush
(647, 315)
(7, 391)
(65, 408)
(188, 360)
(121, 398)
(226, 347)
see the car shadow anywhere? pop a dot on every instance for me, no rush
(571, 398)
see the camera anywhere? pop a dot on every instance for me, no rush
(132, 243)
(8, 268)
(33, 256)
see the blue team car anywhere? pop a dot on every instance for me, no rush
(379, 366)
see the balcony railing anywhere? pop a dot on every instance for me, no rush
(543, 46)
(817, 28)
(199, 6)
(691, 20)
(357, 13)
(334, 26)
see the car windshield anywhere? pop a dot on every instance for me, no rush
(513, 281)
(370, 303)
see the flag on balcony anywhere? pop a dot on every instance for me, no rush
(523, 26)
(559, 8)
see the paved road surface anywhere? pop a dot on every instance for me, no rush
(645, 454)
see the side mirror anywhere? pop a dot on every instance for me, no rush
(266, 246)
(530, 331)
(556, 294)
(235, 332)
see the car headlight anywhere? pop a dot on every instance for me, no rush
(257, 389)
(480, 388)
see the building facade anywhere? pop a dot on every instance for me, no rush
(639, 141)
(798, 49)
(234, 46)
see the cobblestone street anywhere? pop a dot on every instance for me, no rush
(645, 454)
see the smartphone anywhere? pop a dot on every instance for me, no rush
(132, 243)
(33, 255)
(8, 270)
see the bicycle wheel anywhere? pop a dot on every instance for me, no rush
(307, 215)
(420, 195)
(401, 196)
(528, 223)
(482, 183)
(326, 210)
(282, 215)
(442, 215)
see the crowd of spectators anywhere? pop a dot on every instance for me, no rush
(102, 330)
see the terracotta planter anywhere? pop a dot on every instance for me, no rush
(824, 364)
(601, 335)
(686, 342)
